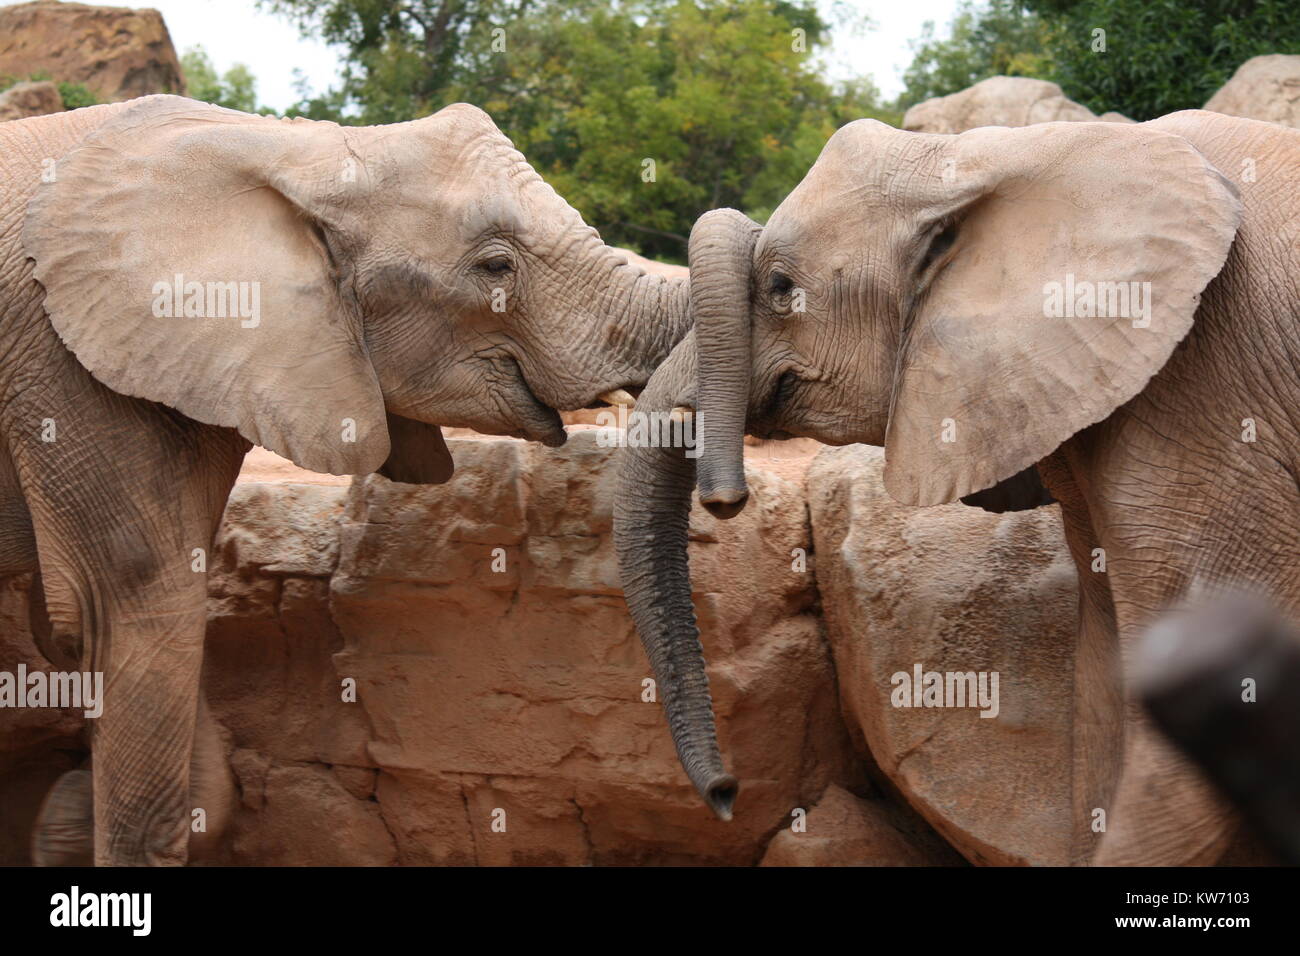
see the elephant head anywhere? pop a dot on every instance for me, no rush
(969, 302)
(336, 293)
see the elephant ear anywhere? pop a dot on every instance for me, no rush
(1002, 357)
(192, 256)
(419, 454)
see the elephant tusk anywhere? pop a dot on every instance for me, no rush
(681, 412)
(618, 397)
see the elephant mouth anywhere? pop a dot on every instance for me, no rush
(767, 423)
(625, 397)
(538, 421)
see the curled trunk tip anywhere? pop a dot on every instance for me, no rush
(720, 795)
(721, 253)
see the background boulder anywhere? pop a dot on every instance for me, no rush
(498, 679)
(30, 99)
(1000, 101)
(1263, 88)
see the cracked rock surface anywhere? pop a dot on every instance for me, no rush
(447, 674)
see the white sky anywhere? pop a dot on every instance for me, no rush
(235, 31)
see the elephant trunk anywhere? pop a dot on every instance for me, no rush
(648, 315)
(721, 255)
(651, 514)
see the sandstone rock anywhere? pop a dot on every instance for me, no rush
(1263, 88)
(954, 589)
(846, 830)
(498, 715)
(306, 817)
(117, 52)
(281, 529)
(519, 689)
(30, 99)
(999, 101)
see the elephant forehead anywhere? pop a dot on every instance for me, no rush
(495, 210)
(824, 229)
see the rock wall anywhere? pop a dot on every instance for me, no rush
(406, 674)
(117, 52)
(497, 676)
(496, 670)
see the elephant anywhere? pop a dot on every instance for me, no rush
(179, 282)
(1090, 313)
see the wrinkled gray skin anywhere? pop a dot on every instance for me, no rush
(379, 253)
(923, 260)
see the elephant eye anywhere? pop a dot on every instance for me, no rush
(497, 265)
(780, 283)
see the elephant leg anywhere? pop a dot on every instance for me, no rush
(212, 785)
(17, 541)
(1098, 717)
(64, 831)
(142, 635)
(1162, 809)
(124, 504)
(1164, 812)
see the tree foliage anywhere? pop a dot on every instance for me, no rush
(1160, 55)
(236, 89)
(400, 56)
(1153, 56)
(642, 113)
(1000, 38)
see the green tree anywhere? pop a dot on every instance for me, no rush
(642, 113)
(1000, 38)
(400, 55)
(76, 95)
(236, 89)
(1160, 55)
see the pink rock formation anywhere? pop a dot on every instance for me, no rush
(117, 52)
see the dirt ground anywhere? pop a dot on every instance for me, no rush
(789, 459)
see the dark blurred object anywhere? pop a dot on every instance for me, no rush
(1191, 673)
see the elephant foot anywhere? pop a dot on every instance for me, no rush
(64, 832)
